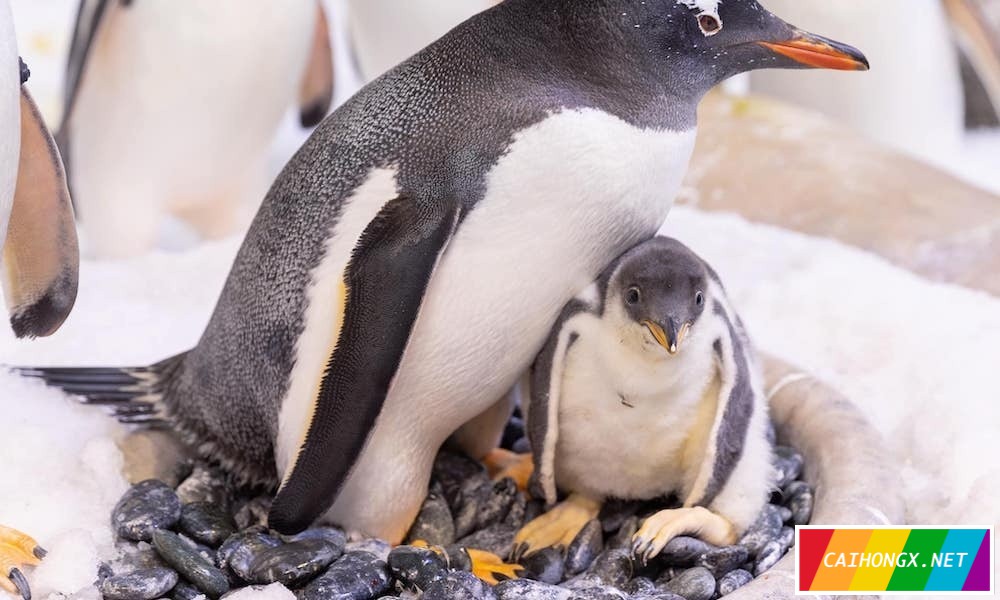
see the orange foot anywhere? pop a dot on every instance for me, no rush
(16, 551)
(485, 565)
(502, 463)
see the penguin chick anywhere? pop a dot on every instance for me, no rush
(648, 387)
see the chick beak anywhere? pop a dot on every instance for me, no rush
(670, 337)
(818, 52)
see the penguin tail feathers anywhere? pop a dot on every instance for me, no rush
(132, 395)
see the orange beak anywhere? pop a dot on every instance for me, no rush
(819, 52)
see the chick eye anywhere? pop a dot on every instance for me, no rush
(699, 298)
(632, 296)
(709, 24)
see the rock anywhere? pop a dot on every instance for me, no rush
(769, 556)
(415, 568)
(240, 550)
(612, 567)
(515, 516)
(145, 507)
(137, 557)
(521, 446)
(684, 551)
(185, 591)
(787, 537)
(640, 586)
(788, 464)
(434, 524)
(614, 513)
(734, 580)
(205, 484)
(622, 539)
(785, 513)
(584, 548)
(189, 563)
(332, 535)
(356, 575)
(765, 529)
(723, 560)
(513, 433)
(532, 510)
(799, 499)
(206, 523)
(599, 592)
(473, 495)
(494, 510)
(295, 563)
(252, 512)
(457, 558)
(451, 471)
(546, 565)
(379, 548)
(696, 583)
(459, 585)
(497, 539)
(145, 584)
(658, 596)
(526, 589)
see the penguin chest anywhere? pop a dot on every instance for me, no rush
(10, 116)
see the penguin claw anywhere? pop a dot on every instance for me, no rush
(556, 528)
(665, 525)
(17, 550)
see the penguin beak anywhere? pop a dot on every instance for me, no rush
(671, 336)
(818, 52)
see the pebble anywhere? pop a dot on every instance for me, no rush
(240, 550)
(457, 558)
(769, 556)
(612, 567)
(452, 471)
(765, 529)
(788, 464)
(415, 568)
(799, 499)
(185, 591)
(696, 583)
(515, 516)
(145, 584)
(723, 560)
(145, 507)
(472, 496)
(640, 586)
(356, 575)
(497, 539)
(295, 563)
(734, 580)
(546, 565)
(614, 513)
(434, 524)
(206, 523)
(657, 596)
(496, 506)
(623, 537)
(379, 548)
(252, 512)
(684, 551)
(459, 585)
(787, 537)
(205, 484)
(600, 592)
(334, 536)
(584, 548)
(189, 563)
(526, 589)
(533, 509)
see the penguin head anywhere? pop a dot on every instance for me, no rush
(689, 46)
(661, 288)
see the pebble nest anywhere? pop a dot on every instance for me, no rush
(205, 539)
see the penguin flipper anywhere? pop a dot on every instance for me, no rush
(41, 258)
(980, 46)
(543, 408)
(316, 91)
(384, 285)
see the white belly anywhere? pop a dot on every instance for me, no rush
(181, 99)
(10, 115)
(572, 193)
(625, 422)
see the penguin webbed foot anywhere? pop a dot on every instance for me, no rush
(501, 464)
(491, 568)
(17, 550)
(557, 527)
(657, 530)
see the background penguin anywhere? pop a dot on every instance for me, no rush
(648, 387)
(38, 236)
(171, 108)
(406, 267)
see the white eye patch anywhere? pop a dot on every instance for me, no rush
(708, 14)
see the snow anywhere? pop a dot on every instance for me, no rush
(917, 357)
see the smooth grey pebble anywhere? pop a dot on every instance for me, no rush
(515, 516)
(623, 537)
(494, 509)
(799, 500)
(546, 565)
(526, 589)
(472, 496)
(640, 585)
(765, 529)
(189, 563)
(240, 549)
(379, 548)
(252, 513)
(497, 539)
(696, 583)
(788, 464)
(585, 548)
(434, 523)
(295, 563)
(415, 568)
(768, 557)
(145, 507)
(185, 591)
(723, 560)
(684, 551)
(733, 581)
(354, 576)
(459, 585)
(612, 567)
(145, 584)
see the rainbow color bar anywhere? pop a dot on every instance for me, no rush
(853, 560)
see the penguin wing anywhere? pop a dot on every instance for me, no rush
(979, 42)
(383, 286)
(543, 405)
(316, 91)
(40, 255)
(736, 403)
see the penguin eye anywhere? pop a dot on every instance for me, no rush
(709, 24)
(699, 298)
(632, 296)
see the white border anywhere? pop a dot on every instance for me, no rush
(798, 560)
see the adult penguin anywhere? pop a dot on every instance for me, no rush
(408, 263)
